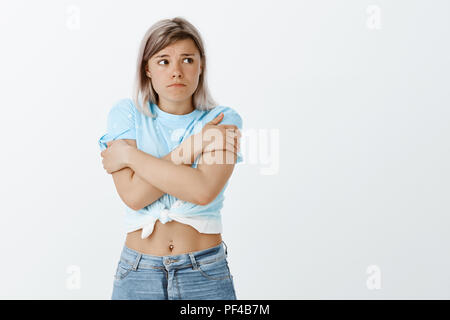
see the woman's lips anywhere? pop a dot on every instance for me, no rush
(177, 85)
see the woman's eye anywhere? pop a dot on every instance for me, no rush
(183, 59)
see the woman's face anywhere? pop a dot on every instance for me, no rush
(175, 67)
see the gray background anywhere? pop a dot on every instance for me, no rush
(362, 117)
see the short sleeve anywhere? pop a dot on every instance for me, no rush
(230, 116)
(120, 123)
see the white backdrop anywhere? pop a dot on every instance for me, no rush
(346, 195)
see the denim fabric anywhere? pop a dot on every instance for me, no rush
(198, 275)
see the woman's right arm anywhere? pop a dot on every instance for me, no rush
(136, 192)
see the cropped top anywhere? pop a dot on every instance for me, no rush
(158, 136)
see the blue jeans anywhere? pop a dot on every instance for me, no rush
(198, 275)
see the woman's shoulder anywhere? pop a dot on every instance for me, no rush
(230, 115)
(127, 107)
(123, 107)
(227, 111)
(124, 103)
(221, 108)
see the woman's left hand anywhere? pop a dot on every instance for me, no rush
(115, 155)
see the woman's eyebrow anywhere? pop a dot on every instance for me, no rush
(183, 54)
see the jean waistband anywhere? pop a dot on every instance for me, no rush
(138, 260)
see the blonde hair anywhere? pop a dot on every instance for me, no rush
(160, 35)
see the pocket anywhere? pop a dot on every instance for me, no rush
(123, 270)
(216, 270)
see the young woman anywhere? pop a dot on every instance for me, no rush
(171, 150)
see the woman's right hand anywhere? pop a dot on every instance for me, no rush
(217, 137)
(226, 136)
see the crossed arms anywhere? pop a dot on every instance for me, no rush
(147, 178)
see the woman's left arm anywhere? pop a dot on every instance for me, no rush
(200, 185)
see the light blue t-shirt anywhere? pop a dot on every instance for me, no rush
(158, 136)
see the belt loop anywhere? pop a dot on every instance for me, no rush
(194, 263)
(226, 249)
(136, 262)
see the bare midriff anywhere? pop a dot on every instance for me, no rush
(171, 238)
